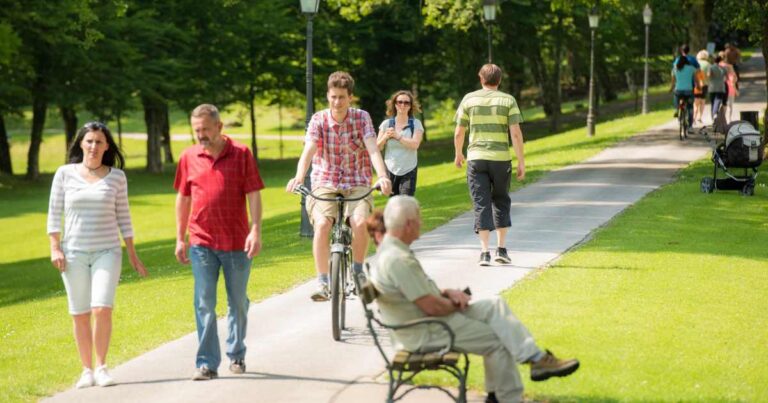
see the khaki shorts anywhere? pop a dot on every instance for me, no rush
(360, 208)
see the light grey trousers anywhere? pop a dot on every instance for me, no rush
(489, 328)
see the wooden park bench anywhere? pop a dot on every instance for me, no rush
(405, 365)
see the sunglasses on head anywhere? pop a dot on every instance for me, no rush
(94, 126)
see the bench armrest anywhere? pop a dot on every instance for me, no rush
(427, 322)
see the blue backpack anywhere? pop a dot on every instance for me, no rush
(409, 125)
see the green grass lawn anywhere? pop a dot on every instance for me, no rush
(39, 356)
(665, 303)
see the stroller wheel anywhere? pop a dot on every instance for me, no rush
(748, 190)
(707, 185)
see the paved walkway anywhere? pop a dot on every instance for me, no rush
(291, 356)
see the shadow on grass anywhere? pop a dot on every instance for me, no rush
(19, 196)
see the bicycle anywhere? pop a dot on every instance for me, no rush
(342, 283)
(682, 117)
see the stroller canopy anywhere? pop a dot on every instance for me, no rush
(741, 129)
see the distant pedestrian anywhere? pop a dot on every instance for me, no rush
(91, 192)
(717, 88)
(700, 92)
(733, 57)
(399, 137)
(684, 51)
(683, 84)
(490, 116)
(731, 84)
(214, 179)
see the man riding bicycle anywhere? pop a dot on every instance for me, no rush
(341, 145)
(683, 84)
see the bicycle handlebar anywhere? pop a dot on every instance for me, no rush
(301, 189)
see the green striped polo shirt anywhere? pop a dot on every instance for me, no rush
(488, 114)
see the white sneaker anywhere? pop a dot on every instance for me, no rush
(86, 379)
(102, 377)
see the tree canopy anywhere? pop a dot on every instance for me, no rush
(110, 56)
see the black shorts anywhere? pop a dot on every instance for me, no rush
(703, 93)
(488, 183)
(403, 184)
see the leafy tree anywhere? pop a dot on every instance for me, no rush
(52, 35)
(12, 91)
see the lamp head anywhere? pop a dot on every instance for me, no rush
(594, 18)
(647, 14)
(489, 10)
(309, 6)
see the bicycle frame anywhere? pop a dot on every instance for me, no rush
(340, 259)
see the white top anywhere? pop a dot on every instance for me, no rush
(398, 158)
(93, 212)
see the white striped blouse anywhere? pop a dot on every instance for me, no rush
(93, 212)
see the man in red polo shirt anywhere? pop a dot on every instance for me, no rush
(214, 179)
(341, 144)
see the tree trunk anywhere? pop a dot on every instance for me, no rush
(700, 13)
(39, 109)
(604, 83)
(548, 97)
(69, 116)
(556, 90)
(118, 116)
(154, 118)
(5, 150)
(252, 110)
(168, 154)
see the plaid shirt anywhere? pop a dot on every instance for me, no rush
(341, 160)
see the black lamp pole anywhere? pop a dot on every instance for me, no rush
(309, 8)
(647, 15)
(489, 15)
(593, 21)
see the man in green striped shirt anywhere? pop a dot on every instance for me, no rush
(490, 115)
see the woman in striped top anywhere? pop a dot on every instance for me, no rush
(92, 195)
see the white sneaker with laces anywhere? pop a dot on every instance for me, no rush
(86, 379)
(102, 377)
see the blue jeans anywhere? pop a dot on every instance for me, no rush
(205, 268)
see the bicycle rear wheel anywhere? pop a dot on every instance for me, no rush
(337, 294)
(682, 123)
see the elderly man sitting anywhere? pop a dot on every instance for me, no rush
(486, 327)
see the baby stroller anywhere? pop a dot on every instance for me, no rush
(742, 148)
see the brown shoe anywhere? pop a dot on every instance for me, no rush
(550, 366)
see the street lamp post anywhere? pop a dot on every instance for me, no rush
(489, 15)
(309, 8)
(594, 18)
(647, 14)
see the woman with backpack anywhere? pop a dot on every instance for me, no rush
(399, 137)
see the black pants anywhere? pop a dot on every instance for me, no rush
(403, 184)
(488, 183)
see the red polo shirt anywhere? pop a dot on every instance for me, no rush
(219, 218)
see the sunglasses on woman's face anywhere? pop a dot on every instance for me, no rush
(403, 102)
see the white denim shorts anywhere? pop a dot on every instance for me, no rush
(91, 279)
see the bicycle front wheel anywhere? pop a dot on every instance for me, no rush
(337, 294)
